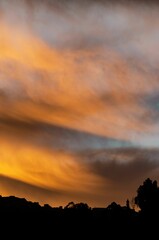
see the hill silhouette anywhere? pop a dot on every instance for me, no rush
(19, 217)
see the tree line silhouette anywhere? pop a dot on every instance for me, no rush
(75, 220)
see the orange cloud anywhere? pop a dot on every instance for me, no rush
(52, 171)
(63, 87)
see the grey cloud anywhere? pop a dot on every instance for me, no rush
(124, 166)
(55, 137)
(124, 173)
(152, 101)
(99, 1)
(123, 170)
(80, 24)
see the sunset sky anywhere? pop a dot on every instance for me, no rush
(79, 99)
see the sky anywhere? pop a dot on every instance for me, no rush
(79, 99)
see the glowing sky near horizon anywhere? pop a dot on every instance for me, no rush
(79, 99)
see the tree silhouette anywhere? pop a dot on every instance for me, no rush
(70, 205)
(80, 206)
(147, 198)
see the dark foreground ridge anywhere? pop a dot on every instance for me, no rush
(25, 219)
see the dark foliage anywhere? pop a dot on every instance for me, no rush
(148, 196)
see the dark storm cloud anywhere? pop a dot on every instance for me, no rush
(124, 167)
(123, 170)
